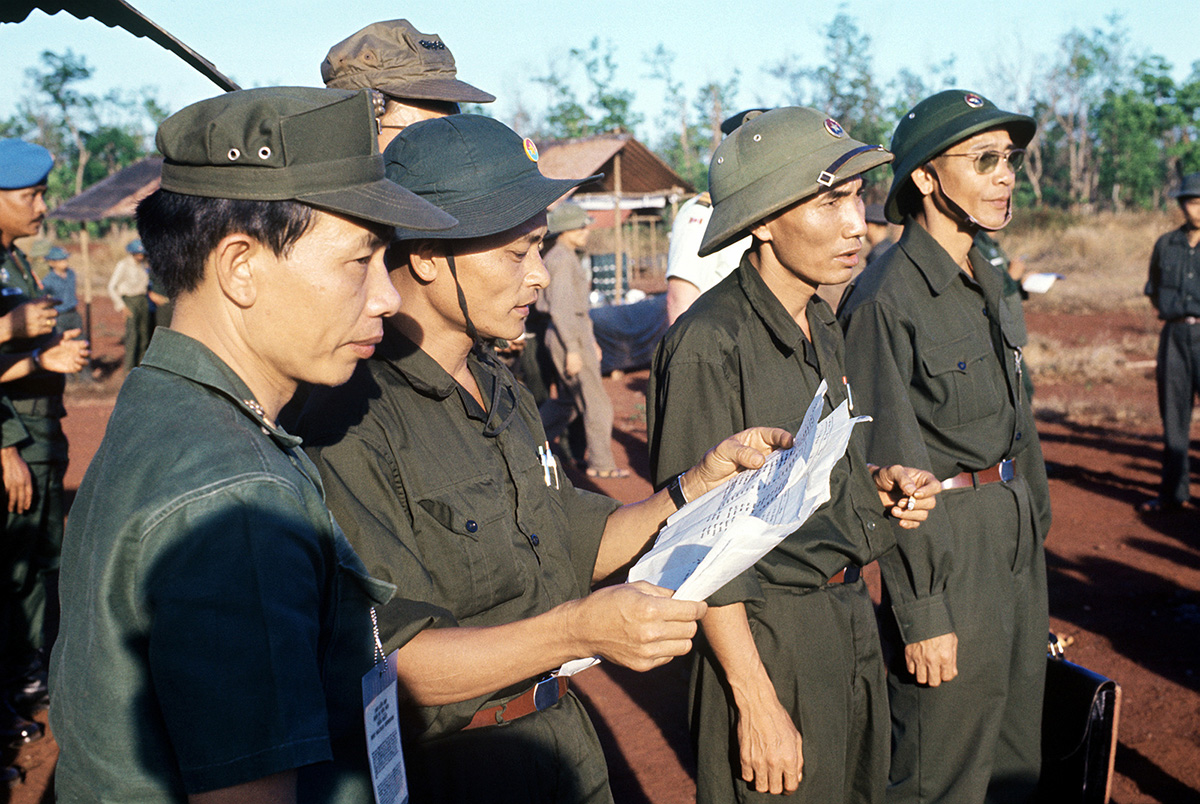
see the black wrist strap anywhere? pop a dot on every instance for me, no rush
(676, 492)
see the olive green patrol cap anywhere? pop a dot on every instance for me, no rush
(567, 217)
(934, 125)
(774, 160)
(1189, 187)
(398, 60)
(316, 146)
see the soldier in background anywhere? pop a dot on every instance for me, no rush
(414, 71)
(1174, 290)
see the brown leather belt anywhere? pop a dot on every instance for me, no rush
(850, 574)
(541, 695)
(1002, 472)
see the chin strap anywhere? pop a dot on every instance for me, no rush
(962, 215)
(472, 333)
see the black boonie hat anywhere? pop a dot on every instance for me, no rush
(316, 146)
(730, 124)
(940, 121)
(1189, 187)
(477, 169)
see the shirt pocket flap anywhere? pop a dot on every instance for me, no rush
(956, 355)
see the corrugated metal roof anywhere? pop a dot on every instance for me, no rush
(118, 14)
(114, 197)
(642, 171)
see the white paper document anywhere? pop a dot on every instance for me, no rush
(1039, 283)
(710, 541)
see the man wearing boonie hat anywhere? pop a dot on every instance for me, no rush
(414, 71)
(572, 344)
(1174, 290)
(435, 462)
(216, 624)
(33, 447)
(934, 343)
(790, 647)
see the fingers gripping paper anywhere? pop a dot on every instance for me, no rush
(710, 541)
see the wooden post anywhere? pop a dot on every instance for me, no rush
(619, 246)
(86, 253)
(654, 245)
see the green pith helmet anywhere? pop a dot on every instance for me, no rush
(774, 160)
(934, 125)
(567, 217)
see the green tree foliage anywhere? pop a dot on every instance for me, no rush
(608, 107)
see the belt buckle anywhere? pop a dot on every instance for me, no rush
(545, 693)
(1007, 470)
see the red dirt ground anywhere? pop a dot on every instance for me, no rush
(1124, 588)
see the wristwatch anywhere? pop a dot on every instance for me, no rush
(676, 491)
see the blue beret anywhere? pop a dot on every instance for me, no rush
(23, 164)
(56, 253)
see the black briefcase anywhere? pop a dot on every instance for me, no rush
(1079, 732)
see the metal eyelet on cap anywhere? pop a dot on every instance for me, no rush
(720, 160)
(233, 154)
(757, 137)
(264, 152)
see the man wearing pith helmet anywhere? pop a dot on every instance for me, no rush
(435, 462)
(788, 686)
(413, 71)
(216, 625)
(935, 344)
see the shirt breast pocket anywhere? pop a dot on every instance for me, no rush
(961, 389)
(468, 547)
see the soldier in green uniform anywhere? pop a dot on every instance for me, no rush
(436, 463)
(216, 624)
(790, 647)
(933, 340)
(33, 450)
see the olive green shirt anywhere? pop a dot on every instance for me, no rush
(449, 501)
(937, 356)
(32, 406)
(737, 359)
(215, 622)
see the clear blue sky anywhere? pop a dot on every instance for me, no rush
(500, 47)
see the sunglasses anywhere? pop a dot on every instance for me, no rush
(988, 161)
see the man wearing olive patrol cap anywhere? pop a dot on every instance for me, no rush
(216, 625)
(790, 646)
(435, 462)
(934, 343)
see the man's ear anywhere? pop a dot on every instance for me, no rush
(922, 178)
(233, 265)
(425, 259)
(761, 231)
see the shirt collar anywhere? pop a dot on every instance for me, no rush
(428, 378)
(930, 258)
(774, 316)
(187, 357)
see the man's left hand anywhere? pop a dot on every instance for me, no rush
(906, 493)
(745, 450)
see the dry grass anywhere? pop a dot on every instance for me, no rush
(1104, 256)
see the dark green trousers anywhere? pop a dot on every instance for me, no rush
(821, 649)
(1178, 375)
(549, 757)
(977, 738)
(29, 550)
(137, 329)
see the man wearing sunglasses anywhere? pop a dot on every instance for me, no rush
(933, 343)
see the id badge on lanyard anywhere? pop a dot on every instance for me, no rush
(381, 719)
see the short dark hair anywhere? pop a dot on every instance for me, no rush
(179, 231)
